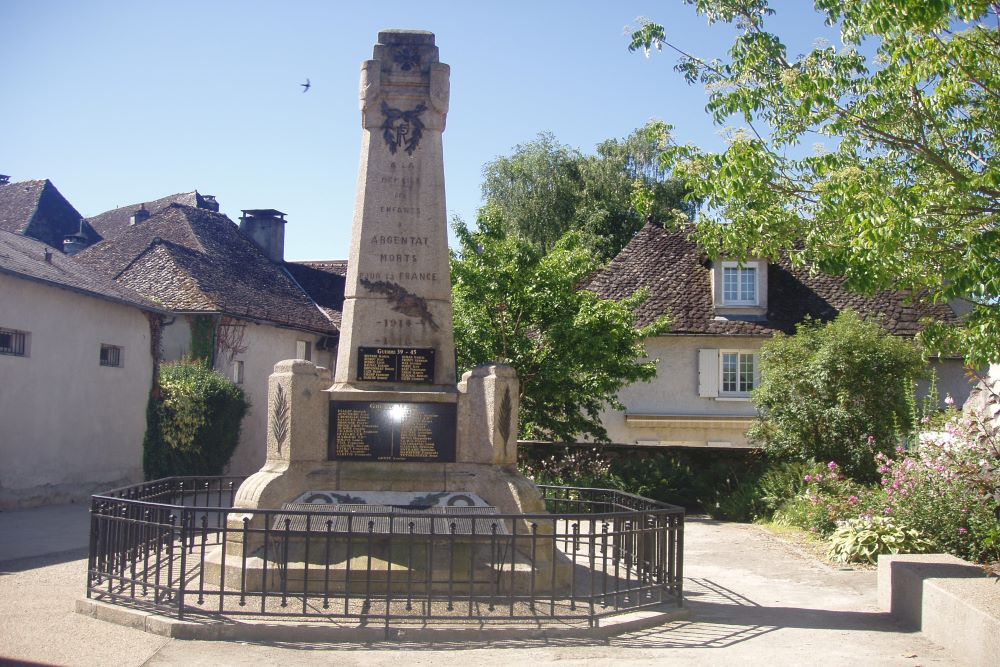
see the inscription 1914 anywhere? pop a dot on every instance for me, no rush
(396, 364)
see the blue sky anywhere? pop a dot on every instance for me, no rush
(119, 102)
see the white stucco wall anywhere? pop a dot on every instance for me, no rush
(69, 426)
(713, 422)
(265, 345)
(674, 392)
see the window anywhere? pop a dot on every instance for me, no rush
(13, 342)
(739, 284)
(111, 355)
(738, 372)
(303, 350)
(238, 372)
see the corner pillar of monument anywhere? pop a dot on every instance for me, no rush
(488, 402)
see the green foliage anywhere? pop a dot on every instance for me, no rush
(945, 489)
(203, 338)
(862, 540)
(580, 467)
(904, 193)
(194, 427)
(838, 391)
(545, 189)
(721, 484)
(825, 498)
(572, 350)
(783, 481)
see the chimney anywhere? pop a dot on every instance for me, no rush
(48, 255)
(266, 228)
(209, 202)
(140, 215)
(74, 243)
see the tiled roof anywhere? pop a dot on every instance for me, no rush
(37, 209)
(676, 274)
(195, 260)
(25, 257)
(111, 223)
(324, 282)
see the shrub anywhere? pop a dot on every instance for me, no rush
(944, 489)
(826, 498)
(861, 540)
(580, 467)
(838, 391)
(194, 427)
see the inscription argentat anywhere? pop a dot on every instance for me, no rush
(402, 129)
(402, 300)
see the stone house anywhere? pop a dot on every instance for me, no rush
(75, 374)
(228, 283)
(722, 312)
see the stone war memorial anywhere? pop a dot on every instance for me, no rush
(393, 431)
(390, 488)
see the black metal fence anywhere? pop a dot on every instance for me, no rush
(178, 547)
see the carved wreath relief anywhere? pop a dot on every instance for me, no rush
(402, 301)
(406, 57)
(402, 129)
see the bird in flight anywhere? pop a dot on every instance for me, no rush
(306, 86)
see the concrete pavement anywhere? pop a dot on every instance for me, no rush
(755, 600)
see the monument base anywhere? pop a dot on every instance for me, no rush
(299, 466)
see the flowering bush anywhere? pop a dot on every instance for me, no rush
(946, 489)
(827, 497)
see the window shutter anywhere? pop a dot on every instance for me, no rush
(708, 373)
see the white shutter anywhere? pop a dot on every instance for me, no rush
(708, 373)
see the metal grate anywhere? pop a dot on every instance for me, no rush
(12, 342)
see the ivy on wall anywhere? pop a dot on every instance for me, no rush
(203, 338)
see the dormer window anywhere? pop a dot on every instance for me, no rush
(739, 284)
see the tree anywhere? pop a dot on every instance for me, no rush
(840, 391)
(545, 189)
(906, 193)
(572, 350)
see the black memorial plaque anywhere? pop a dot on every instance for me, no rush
(387, 431)
(396, 364)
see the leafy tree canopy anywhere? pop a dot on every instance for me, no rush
(546, 188)
(905, 193)
(572, 350)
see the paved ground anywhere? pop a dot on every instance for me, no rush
(755, 600)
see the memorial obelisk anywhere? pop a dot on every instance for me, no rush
(398, 292)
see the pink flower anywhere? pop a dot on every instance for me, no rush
(809, 478)
(832, 465)
(948, 400)
(852, 499)
(962, 531)
(818, 478)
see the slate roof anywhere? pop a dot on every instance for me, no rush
(677, 275)
(111, 223)
(25, 258)
(194, 260)
(37, 209)
(324, 282)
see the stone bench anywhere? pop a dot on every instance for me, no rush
(951, 601)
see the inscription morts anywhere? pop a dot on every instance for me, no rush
(396, 364)
(360, 430)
